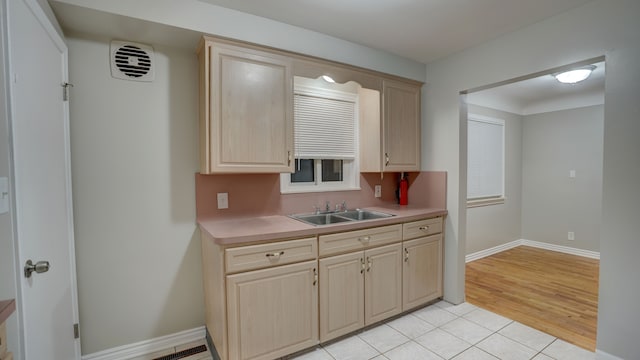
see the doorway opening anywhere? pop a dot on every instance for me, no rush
(535, 182)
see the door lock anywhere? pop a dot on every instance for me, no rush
(39, 267)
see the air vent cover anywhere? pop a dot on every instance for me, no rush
(131, 61)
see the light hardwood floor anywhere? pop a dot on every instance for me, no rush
(550, 291)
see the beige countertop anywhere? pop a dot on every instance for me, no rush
(266, 228)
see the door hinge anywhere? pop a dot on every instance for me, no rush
(65, 91)
(76, 331)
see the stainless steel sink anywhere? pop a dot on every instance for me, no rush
(320, 219)
(339, 217)
(364, 215)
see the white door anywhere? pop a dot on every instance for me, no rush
(42, 178)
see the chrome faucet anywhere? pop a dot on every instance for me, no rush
(341, 207)
(327, 207)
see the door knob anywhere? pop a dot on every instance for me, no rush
(39, 267)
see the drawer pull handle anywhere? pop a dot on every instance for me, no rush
(361, 265)
(424, 228)
(406, 255)
(275, 254)
(369, 262)
(364, 238)
(315, 277)
(386, 159)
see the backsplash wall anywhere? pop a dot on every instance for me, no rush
(259, 194)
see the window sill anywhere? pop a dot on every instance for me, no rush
(484, 202)
(317, 190)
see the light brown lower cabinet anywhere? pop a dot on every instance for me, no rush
(269, 300)
(272, 312)
(358, 289)
(422, 271)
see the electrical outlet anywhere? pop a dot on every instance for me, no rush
(572, 174)
(223, 200)
(4, 195)
(571, 235)
(378, 191)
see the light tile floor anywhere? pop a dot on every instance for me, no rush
(446, 331)
(440, 331)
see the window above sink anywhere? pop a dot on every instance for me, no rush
(326, 128)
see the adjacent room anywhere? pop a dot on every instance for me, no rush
(534, 180)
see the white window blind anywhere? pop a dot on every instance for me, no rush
(485, 157)
(324, 128)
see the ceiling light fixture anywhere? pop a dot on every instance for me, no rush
(575, 75)
(328, 79)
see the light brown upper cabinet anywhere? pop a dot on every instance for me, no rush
(390, 128)
(246, 109)
(401, 126)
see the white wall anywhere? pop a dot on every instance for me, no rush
(134, 156)
(8, 286)
(553, 203)
(209, 19)
(601, 27)
(490, 226)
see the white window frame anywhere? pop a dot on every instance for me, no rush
(350, 167)
(485, 200)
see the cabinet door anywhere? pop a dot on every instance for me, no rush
(251, 97)
(401, 130)
(422, 272)
(383, 283)
(341, 295)
(272, 312)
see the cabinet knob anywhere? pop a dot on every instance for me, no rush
(424, 228)
(364, 238)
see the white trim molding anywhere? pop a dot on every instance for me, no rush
(147, 347)
(562, 249)
(537, 244)
(491, 251)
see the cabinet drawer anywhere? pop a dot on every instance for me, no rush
(266, 255)
(359, 239)
(420, 228)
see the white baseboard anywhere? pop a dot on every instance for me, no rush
(537, 244)
(601, 355)
(562, 249)
(494, 250)
(148, 346)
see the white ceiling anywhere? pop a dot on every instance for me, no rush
(543, 93)
(428, 30)
(422, 30)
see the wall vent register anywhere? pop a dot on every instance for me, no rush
(132, 61)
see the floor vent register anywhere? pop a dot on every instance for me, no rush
(184, 353)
